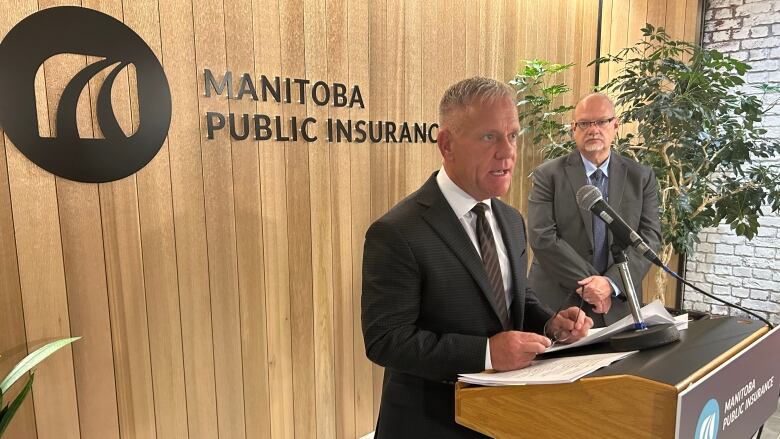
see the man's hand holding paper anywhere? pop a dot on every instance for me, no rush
(511, 350)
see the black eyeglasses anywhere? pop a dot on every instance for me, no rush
(562, 336)
(585, 124)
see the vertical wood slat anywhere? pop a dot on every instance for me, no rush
(656, 13)
(396, 92)
(159, 257)
(606, 39)
(380, 179)
(472, 39)
(13, 342)
(637, 18)
(587, 74)
(411, 99)
(319, 55)
(299, 229)
(41, 266)
(361, 20)
(85, 276)
(511, 57)
(127, 304)
(527, 48)
(523, 20)
(39, 253)
(273, 180)
(210, 51)
(459, 31)
(693, 12)
(619, 31)
(436, 22)
(493, 30)
(42, 282)
(675, 18)
(178, 53)
(340, 20)
(250, 240)
(119, 208)
(13, 338)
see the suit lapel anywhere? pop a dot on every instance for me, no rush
(442, 220)
(617, 182)
(575, 171)
(515, 247)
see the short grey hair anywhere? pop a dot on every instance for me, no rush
(477, 89)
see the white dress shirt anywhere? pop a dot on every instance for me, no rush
(462, 203)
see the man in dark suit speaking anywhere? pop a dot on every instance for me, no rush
(444, 286)
(571, 245)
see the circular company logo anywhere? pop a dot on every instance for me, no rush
(709, 421)
(81, 31)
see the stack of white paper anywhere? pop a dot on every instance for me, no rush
(548, 371)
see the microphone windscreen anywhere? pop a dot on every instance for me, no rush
(587, 196)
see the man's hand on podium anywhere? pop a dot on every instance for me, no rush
(569, 325)
(511, 350)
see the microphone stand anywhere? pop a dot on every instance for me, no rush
(641, 336)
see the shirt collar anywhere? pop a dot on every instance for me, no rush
(460, 202)
(591, 167)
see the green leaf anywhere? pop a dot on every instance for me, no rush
(32, 360)
(9, 411)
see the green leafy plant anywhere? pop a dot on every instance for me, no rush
(687, 113)
(7, 411)
(541, 115)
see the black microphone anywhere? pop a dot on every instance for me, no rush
(589, 198)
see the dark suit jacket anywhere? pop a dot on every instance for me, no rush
(561, 234)
(425, 312)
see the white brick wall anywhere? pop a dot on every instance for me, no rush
(723, 264)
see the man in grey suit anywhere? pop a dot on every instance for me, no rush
(444, 286)
(571, 245)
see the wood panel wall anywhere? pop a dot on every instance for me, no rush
(217, 290)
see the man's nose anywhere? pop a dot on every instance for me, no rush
(506, 148)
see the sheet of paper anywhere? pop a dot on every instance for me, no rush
(681, 321)
(547, 371)
(653, 313)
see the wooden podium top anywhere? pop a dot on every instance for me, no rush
(702, 347)
(635, 397)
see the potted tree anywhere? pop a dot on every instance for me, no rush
(686, 113)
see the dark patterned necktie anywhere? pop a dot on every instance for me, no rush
(600, 247)
(487, 246)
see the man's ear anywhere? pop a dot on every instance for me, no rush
(444, 142)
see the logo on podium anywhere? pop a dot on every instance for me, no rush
(709, 421)
(65, 152)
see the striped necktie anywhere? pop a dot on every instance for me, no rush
(487, 246)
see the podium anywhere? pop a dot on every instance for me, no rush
(656, 393)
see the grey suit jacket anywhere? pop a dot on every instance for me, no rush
(561, 234)
(425, 309)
